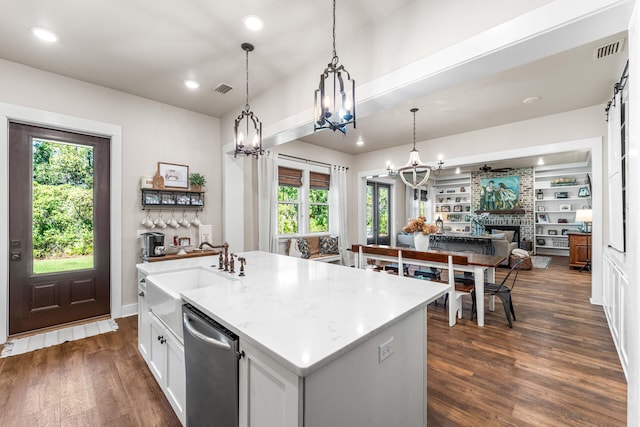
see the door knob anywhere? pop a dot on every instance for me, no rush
(16, 256)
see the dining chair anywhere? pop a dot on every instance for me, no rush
(502, 291)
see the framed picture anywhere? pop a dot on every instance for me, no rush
(553, 232)
(457, 199)
(565, 207)
(445, 208)
(457, 208)
(184, 241)
(543, 218)
(558, 194)
(540, 242)
(175, 176)
(540, 208)
(500, 193)
(565, 231)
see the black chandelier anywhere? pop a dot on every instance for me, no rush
(252, 127)
(415, 173)
(335, 98)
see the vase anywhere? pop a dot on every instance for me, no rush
(477, 229)
(421, 241)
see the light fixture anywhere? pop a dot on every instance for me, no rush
(540, 161)
(359, 142)
(252, 126)
(458, 171)
(531, 99)
(44, 34)
(335, 98)
(253, 22)
(191, 84)
(415, 173)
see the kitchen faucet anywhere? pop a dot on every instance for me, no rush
(225, 246)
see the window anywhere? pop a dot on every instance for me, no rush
(303, 201)
(318, 202)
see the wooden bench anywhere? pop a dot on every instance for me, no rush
(426, 259)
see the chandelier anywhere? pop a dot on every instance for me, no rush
(415, 173)
(334, 101)
(247, 126)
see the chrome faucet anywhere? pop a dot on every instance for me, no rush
(221, 262)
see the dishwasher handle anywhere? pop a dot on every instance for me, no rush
(214, 342)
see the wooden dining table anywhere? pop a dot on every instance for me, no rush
(482, 266)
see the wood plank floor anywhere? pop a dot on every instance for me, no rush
(96, 381)
(557, 366)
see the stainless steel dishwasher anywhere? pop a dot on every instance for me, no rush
(211, 362)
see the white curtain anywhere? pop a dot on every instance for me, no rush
(268, 202)
(338, 210)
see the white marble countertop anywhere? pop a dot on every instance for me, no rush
(305, 314)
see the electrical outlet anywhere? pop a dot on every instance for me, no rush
(385, 350)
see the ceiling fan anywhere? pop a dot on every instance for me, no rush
(487, 168)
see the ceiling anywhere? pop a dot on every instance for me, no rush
(148, 48)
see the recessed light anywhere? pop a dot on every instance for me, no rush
(359, 142)
(191, 84)
(531, 100)
(540, 161)
(253, 22)
(458, 171)
(45, 35)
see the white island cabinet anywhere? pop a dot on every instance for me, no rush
(325, 345)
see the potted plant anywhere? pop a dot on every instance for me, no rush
(197, 180)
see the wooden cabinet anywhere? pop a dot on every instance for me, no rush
(578, 249)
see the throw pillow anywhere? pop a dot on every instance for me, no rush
(293, 248)
(329, 245)
(303, 247)
(498, 236)
(508, 233)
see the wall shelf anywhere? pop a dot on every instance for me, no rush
(171, 199)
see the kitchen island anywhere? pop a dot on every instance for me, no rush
(323, 344)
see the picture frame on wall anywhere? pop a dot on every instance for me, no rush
(445, 208)
(561, 195)
(175, 176)
(565, 231)
(540, 208)
(457, 208)
(541, 242)
(553, 232)
(565, 208)
(543, 218)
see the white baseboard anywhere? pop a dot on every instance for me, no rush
(129, 310)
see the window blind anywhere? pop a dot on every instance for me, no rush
(289, 177)
(319, 181)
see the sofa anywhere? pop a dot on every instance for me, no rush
(504, 241)
(315, 248)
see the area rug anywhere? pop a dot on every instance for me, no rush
(540, 261)
(59, 336)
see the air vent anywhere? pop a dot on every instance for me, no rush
(608, 50)
(223, 88)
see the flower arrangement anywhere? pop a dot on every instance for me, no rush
(419, 224)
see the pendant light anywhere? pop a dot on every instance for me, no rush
(335, 98)
(415, 173)
(247, 126)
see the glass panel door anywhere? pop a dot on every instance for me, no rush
(378, 213)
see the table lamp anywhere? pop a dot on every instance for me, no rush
(585, 216)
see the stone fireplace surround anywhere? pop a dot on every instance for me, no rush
(526, 220)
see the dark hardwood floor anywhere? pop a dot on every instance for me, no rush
(557, 366)
(96, 381)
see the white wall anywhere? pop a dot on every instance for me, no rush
(151, 132)
(632, 262)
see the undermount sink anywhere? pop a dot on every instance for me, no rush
(163, 292)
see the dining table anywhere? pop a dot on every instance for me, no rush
(482, 266)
